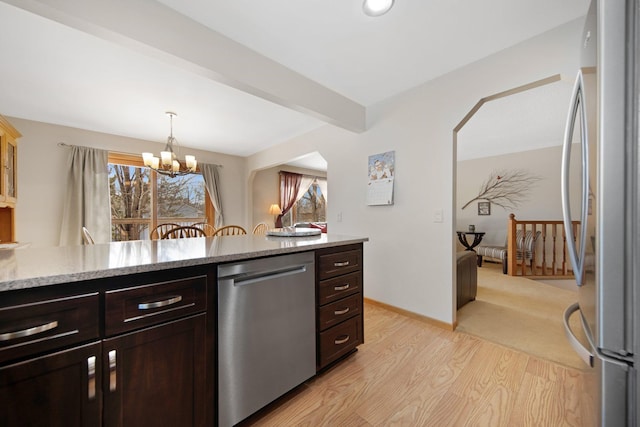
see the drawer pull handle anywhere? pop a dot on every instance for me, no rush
(29, 331)
(341, 264)
(341, 340)
(91, 375)
(157, 304)
(112, 370)
(341, 288)
(343, 311)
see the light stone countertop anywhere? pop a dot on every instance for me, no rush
(34, 267)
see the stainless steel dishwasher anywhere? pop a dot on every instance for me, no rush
(266, 332)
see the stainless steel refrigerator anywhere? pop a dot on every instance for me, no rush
(605, 253)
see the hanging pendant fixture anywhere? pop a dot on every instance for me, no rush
(168, 162)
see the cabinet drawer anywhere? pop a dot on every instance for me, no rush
(146, 305)
(33, 328)
(340, 340)
(335, 264)
(336, 312)
(340, 287)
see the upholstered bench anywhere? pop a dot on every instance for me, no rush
(500, 252)
(466, 277)
(494, 252)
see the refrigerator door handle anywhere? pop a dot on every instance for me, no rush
(577, 106)
(582, 351)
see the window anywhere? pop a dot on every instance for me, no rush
(311, 207)
(141, 199)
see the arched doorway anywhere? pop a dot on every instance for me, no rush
(515, 311)
(264, 184)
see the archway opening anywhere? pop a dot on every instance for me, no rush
(528, 118)
(264, 188)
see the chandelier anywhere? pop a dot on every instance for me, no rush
(168, 162)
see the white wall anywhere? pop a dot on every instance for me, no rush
(409, 258)
(543, 202)
(42, 167)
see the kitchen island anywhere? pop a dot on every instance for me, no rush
(126, 333)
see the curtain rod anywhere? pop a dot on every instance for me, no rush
(64, 144)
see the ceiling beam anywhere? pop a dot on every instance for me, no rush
(153, 29)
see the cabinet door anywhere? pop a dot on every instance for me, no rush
(3, 164)
(11, 168)
(60, 389)
(156, 376)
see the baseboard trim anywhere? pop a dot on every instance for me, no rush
(433, 322)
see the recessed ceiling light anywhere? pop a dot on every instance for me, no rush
(376, 7)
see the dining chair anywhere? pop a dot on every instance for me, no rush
(230, 230)
(161, 229)
(184, 232)
(87, 239)
(208, 229)
(261, 228)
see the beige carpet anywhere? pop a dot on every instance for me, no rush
(522, 314)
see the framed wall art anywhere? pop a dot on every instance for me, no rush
(484, 208)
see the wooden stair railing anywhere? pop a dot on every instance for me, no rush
(549, 257)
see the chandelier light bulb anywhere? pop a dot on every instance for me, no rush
(166, 157)
(146, 158)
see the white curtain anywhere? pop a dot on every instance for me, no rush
(211, 182)
(322, 183)
(305, 183)
(87, 202)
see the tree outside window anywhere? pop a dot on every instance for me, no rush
(130, 191)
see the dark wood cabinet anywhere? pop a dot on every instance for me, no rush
(339, 310)
(8, 180)
(156, 376)
(133, 352)
(60, 389)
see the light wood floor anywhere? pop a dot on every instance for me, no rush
(409, 373)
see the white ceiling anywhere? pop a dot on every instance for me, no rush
(528, 120)
(101, 75)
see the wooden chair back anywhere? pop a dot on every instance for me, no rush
(230, 230)
(208, 229)
(161, 229)
(261, 228)
(184, 232)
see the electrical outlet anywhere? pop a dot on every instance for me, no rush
(339, 216)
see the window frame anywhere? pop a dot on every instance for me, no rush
(136, 161)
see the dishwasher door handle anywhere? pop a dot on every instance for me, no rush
(267, 275)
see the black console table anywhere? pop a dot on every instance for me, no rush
(477, 238)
